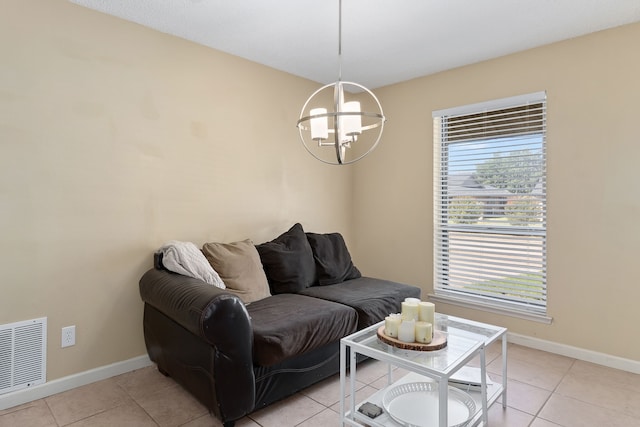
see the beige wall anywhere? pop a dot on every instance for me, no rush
(593, 89)
(115, 139)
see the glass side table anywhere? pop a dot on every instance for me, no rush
(466, 339)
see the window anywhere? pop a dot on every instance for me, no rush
(490, 205)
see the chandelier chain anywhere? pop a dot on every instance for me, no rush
(340, 40)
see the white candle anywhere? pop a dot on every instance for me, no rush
(391, 326)
(424, 332)
(407, 331)
(413, 300)
(427, 313)
(409, 311)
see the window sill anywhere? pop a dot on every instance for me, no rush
(492, 308)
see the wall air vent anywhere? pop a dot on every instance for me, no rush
(23, 351)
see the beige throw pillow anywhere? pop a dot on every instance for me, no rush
(239, 267)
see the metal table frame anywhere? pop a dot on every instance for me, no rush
(467, 339)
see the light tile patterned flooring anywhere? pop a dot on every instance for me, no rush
(545, 390)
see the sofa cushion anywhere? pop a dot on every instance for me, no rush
(332, 258)
(373, 299)
(288, 261)
(287, 325)
(239, 267)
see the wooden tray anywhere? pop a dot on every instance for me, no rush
(438, 342)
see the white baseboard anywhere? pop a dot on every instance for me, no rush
(19, 397)
(576, 353)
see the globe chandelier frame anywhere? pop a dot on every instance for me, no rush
(344, 125)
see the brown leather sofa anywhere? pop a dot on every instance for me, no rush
(237, 358)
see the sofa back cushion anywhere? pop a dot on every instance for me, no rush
(239, 267)
(288, 261)
(332, 258)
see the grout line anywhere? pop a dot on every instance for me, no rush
(578, 399)
(537, 415)
(44, 399)
(134, 399)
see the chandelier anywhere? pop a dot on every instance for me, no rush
(334, 129)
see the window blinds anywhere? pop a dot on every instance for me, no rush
(490, 203)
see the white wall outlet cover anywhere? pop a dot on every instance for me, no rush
(68, 336)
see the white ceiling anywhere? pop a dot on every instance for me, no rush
(383, 41)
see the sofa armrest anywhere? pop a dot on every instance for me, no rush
(216, 315)
(220, 319)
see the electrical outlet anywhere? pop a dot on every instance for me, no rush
(68, 336)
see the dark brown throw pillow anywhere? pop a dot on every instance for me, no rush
(288, 261)
(333, 261)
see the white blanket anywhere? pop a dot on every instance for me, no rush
(185, 258)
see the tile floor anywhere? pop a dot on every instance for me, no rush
(545, 390)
